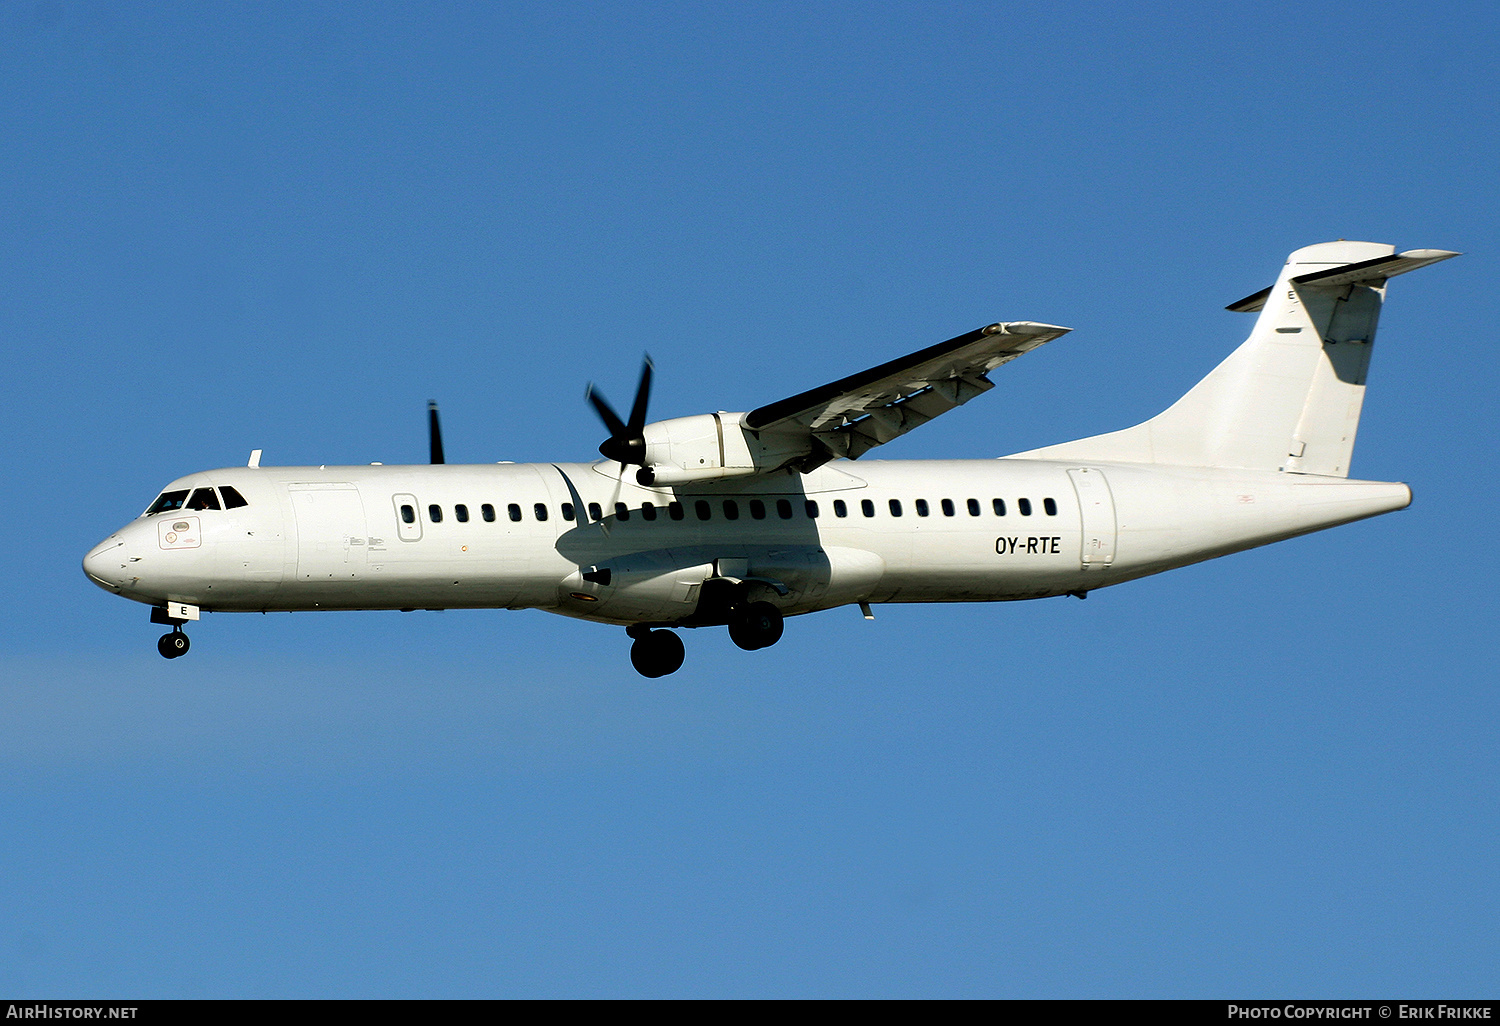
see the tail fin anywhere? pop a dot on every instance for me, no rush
(1289, 398)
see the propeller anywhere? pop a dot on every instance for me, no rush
(434, 432)
(626, 443)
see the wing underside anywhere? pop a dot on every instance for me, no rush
(853, 415)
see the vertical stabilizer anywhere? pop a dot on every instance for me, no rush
(1289, 397)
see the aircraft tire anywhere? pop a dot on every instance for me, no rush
(758, 625)
(657, 654)
(173, 645)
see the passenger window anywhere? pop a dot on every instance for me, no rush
(203, 498)
(167, 501)
(973, 507)
(731, 510)
(596, 512)
(1050, 505)
(622, 512)
(867, 507)
(674, 510)
(812, 509)
(461, 513)
(514, 512)
(839, 508)
(999, 505)
(757, 509)
(895, 507)
(488, 512)
(948, 507)
(232, 498)
(1024, 506)
(540, 509)
(701, 507)
(648, 511)
(784, 508)
(408, 515)
(567, 510)
(435, 513)
(922, 509)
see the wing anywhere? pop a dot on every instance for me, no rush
(851, 416)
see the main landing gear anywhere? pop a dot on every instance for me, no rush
(655, 653)
(174, 644)
(757, 625)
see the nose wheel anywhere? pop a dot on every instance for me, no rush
(173, 645)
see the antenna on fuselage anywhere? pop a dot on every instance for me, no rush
(434, 433)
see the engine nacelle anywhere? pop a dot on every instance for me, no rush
(707, 447)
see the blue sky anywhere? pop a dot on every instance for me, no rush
(286, 226)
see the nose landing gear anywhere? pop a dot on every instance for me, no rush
(174, 644)
(174, 616)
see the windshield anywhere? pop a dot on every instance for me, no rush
(167, 501)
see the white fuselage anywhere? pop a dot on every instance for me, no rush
(339, 538)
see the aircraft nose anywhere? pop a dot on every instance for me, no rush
(105, 565)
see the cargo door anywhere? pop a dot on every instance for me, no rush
(331, 532)
(1096, 510)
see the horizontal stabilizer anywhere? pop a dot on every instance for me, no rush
(1372, 271)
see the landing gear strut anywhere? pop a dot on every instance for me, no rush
(655, 653)
(757, 625)
(174, 644)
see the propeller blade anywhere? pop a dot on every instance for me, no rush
(642, 397)
(606, 413)
(434, 433)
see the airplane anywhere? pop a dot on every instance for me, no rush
(740, 520)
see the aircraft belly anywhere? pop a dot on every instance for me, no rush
(666, 585)
(661, 586)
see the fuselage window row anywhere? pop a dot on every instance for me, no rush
(702, 508)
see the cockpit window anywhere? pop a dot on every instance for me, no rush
(167, 501)
(203, 498)
(232, 498)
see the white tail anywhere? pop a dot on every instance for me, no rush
(1289, 398)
